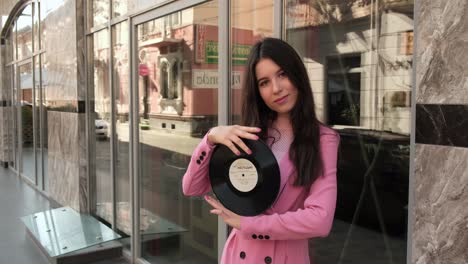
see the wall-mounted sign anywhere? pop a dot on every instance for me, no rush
(406, 42)
(209, 79)
(240, 53)
(200, 42)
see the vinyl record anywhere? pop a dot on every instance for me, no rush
(245, 184)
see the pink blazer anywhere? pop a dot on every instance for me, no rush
(280, 235)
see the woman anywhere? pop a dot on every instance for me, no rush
(278, 108)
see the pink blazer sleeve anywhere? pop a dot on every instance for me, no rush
(316, 218)
(196, 179)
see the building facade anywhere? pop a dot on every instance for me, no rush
(103, 102)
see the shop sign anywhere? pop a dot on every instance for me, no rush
(240, 53)
(209, 79)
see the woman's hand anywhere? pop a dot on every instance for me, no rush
(230, 136)
(229, 217)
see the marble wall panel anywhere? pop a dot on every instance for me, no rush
(6, 136)
(442, 35)
(3, 82)
(80, 53)
(5, 110)
(440, 228)
(2, 134)
(442, 125)
(67, 159)
(83, 166)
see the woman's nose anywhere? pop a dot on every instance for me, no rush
(276, 86)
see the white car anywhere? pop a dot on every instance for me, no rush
(101, 129)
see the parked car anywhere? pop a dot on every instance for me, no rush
(101, 129)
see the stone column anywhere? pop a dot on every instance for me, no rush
(440, 215)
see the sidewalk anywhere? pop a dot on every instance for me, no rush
(18, 199)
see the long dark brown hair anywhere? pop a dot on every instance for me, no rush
(305, 148)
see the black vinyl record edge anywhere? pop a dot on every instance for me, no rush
(259, 198)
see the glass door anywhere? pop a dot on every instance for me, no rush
(11, 119)
(25, 121)
(38, 123)
(15, 110)
(176, 95)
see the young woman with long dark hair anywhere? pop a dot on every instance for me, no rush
(278, 107)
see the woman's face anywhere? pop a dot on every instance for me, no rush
(275, 88)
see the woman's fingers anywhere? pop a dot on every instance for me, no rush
(241, 144)
(229, 217)
(228, 143)
(249, 129)
(216, 211)
(231, 136)
(245, 134)
(213, 202)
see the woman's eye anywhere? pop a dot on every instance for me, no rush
(262, 83)
(282, 74)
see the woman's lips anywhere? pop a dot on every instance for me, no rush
(282, 100)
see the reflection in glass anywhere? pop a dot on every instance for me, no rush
(344, 89)
(10, 46)
(24, 33)
(177, 106)
(36, 26)
(251, 21)
(120, 76)
(25, 80)
(359, 59)
(121, 7)
(43, 116)
(14, 46)
(7, 83)
(15, 109)
(98, 13)
(50, 20)
(38, 119)
(7, 150)
(100, 119)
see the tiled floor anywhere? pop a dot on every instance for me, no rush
(18, 199)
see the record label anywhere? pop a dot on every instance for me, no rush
(243, 175)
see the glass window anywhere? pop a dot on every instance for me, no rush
(120, 74)
(121, 7)
(14, 45)
(177, 106)
(7, 82)
(359, 60)
(10, 46)
(344, 89)
(38, 120)
(36, 28)
(251, 21)
(49, 22)
(100, 123)
(25, 80)
(45, 96)
(24, 33)
(15, 110)
(98, 12)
